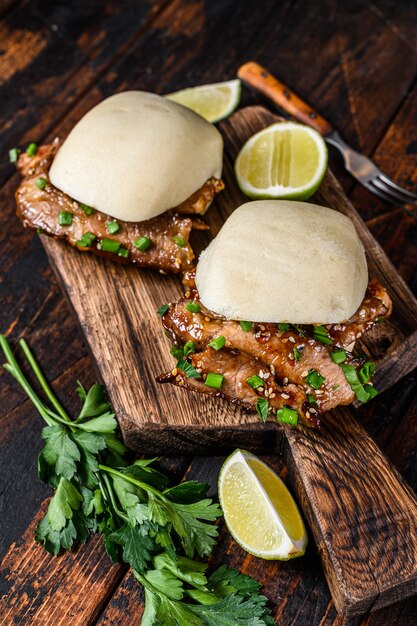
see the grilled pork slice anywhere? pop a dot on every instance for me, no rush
(170, 251)
(290, 355)
(236, 368)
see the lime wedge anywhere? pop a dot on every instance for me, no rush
(259, 511)
(285, 160)
(213, 102)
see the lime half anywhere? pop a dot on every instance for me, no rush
(285, 160)
(259, 511)
(213, 102)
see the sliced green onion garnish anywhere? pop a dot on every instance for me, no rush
(189, 348)
(32, 149)
(366, 372)
(88, 210)
(188, 369)
(283, 327)
(179, 241)
(299, 330)
(262, 409)
(142, 243)
(64, 218)
(177, 353)
(245, 326)
(320, 333)
(163, 309)
(311, 399)
(314, 379)
(297, 354)
(41, 183)
(255, 381)
(113, 227)
(287, 415)
(110, 245)
(124, 253)
(370, 389)
(86, 240)
(13, 155)
(218, 343)
(335, 387)
(339, 355)
(352, 378)
(214, 380)
(193, 307)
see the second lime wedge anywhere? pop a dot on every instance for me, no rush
(213, 102)
(285, 160)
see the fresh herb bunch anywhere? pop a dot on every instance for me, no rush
(157, 530)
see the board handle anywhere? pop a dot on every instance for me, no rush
(258, 78)
(361, 512)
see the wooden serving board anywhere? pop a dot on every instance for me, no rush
(362, 514)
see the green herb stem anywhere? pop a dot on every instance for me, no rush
(130, 479)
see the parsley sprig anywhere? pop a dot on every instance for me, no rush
(156, 529)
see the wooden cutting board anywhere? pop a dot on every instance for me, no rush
(362, 514)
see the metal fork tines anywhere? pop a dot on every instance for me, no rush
(371, 176)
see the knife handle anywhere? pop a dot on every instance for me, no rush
(257, 77)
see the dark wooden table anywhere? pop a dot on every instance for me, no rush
(357, 63)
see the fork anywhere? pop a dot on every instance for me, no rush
(358, 165)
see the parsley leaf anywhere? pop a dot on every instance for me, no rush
(136, 543)
(59, 456)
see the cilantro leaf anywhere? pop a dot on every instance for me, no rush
(137, 545)
(59, 456)
(95, 401)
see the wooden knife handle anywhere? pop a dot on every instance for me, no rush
(262, 81)
(361, 512)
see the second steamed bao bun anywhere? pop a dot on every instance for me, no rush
(135, 155)
(284, 261)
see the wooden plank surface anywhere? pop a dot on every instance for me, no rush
(317, 49)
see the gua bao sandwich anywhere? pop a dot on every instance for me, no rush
(271, 314)
(127, 182)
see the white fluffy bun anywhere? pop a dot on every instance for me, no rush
(135, 155)
(284, 261)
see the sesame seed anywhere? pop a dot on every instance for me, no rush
(313, 410)
(285, 396)
(272, 395)
(291, 356)
(308, 415)
(272, 368)
(292, 339)
(285, 381)
(319, 392)
(260, 374)
(174, 371)
(207, 319)
(266, 375)
(178, 378)
(187, 294)
(284, 340)
(305, 373)
(262, 327)
(180, 383)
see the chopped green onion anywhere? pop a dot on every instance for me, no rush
(188, 369)
(179, 241)
(339, 355)
(352, 378)
(370, 389)
(283, 327)
(13, 155)
(214, 380)
(32, 149)
(314, 379)
(88, 210)
(113, 227)
(320, 333)
(193, 307)
(335, 387)
(86, 240)
(124, 253)
(287, 415)
(299, 330)
(64, 218)
(262, 408)
(311, 399)
(41, 183)
(163, 309)
(297, 354)
(110, 245)
(245, 326)
(218, 343)
(255, 381)
(142, 243)
(39, 231)
(366, 372)
(177, 353)
(189, 348)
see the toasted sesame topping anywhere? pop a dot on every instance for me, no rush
(285, 381)
(305, 373)
(174, 371)
(285, 396)
(291, 338)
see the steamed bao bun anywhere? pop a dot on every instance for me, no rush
(284, 261)
(135, 155)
